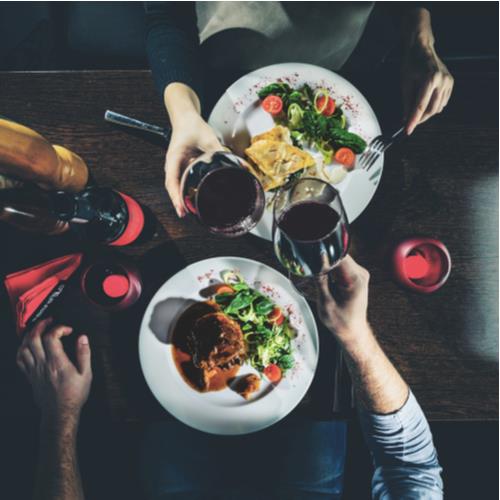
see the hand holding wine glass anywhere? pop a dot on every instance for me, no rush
(342, 306)
(191, 137)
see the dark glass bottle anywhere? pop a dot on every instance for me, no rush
(98, 214)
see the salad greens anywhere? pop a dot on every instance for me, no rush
(305, 114)
(267, 331)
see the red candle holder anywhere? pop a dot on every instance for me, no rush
(421, 264)
(111, 284)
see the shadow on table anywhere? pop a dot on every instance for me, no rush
(135, 398)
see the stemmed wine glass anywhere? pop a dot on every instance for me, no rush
(225, 196)
(310, 227)
(311, 236)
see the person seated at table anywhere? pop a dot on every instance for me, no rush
(242, 36)
(292, 459)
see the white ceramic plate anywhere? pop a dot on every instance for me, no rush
(238, 116)
(225, 412)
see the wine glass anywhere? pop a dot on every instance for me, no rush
(225, 196)
(310, 227)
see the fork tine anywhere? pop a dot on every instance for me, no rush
(372, 162)
(361, 160)
(369, 158)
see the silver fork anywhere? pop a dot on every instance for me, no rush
(377, 147)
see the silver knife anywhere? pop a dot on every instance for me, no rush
(127, 121)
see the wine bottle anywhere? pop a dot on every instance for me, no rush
(96, 213)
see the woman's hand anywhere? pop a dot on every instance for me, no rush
(342, 305)
(60, 388)
(191, 137)
(426, 82)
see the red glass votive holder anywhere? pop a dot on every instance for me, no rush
(112, 285)
(421, 264)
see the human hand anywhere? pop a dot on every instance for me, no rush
(60, 388)
(342, 306)
(191, 137)
(426, 82)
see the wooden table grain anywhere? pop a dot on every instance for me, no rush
(441, 182)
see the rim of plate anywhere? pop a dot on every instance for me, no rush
(255, 406)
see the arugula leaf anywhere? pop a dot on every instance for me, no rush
(280, 89)
(286, 362)
(263, 306)
(241, 300)
(223, 298)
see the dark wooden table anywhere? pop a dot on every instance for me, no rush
(442, 182)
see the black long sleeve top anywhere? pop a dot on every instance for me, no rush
(173, 44)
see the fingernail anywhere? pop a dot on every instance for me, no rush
(84, 340)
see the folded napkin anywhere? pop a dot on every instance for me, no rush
(31, 291)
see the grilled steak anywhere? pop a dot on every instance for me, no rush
(216, 341)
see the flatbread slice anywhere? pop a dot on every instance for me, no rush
(268, 183)
(278, 159)
(278, 133)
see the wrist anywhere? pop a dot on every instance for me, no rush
(181, 102)
(352, 336)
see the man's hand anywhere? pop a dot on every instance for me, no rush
(191, 137)
(342, 305)
(426, 82)
(60, 388)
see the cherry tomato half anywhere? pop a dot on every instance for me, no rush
(326, 109)
(346, 156)
(276, 316)
(220, 289)
(273, 372)
(272, 104)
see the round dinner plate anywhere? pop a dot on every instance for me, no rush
(225, 411)
(238, 116)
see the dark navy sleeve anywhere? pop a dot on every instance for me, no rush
(172, 43)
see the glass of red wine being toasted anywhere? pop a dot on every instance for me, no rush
(310, 229)
(223, 194)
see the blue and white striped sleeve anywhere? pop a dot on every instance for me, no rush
(405, 460)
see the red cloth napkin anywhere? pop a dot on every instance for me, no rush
(32, 290)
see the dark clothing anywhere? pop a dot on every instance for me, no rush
(173, 44)
(292, 460)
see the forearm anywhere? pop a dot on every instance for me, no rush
(417, 29)
(58, 474)
(395, 428)
(181, 102)
(378, 385)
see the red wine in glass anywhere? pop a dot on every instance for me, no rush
(223, 194)
(311, 233)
